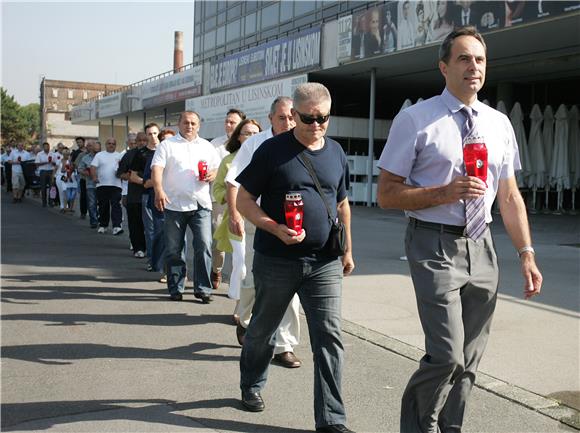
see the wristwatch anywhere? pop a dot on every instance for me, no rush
(526, 249)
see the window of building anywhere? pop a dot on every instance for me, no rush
(222, 5)
(54, 106)
(251, 6)
(220, 36)
(209, 23)
(221, 18)
(233, 30)
(209, 40)
(234, 11)
(69, 107)
(286, 11)
(70, 94)
(196, 45)
(270, 15)
(250, 26)
(85, 95)
(210, 8)
(55, 93)
(303, 7)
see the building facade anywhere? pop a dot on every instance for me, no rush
(57, 99)
(373, 56)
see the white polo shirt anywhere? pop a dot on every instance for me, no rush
(14, 155)
(179, 159)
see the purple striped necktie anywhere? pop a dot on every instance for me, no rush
(474, 208)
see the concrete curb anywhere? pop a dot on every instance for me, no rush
(546, 406)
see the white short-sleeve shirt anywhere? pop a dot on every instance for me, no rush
(107, 164)
(179, 159)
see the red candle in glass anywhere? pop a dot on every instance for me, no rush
(294, 211)
(475, 158)
(202, 169)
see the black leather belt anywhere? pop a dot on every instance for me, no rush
(447, 228)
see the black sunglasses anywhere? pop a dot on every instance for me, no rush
(309, 120)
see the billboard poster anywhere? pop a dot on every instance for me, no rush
(285, 56)
(344, 38)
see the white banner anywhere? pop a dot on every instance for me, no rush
(254, 100)
(109, 105)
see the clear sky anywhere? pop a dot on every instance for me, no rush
(105, 42)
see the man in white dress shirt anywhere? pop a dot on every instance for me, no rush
(185, 199)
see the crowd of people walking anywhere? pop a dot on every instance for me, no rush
(276, 197)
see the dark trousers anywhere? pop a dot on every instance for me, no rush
(109, 204)
(45, 184)
(8, 174)
(83, 196)
(319, 286)
(136, 230)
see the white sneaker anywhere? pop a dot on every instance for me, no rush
(139, 254)
(117, 231)
(101, 230)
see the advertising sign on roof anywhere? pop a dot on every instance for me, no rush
(285, 56)
(173, 88)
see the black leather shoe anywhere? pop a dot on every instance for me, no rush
(176, 296)
(253, 401)
(205, 299)
(287, 359)
(334, 428)
(240, 333)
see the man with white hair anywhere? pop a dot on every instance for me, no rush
(288, 261)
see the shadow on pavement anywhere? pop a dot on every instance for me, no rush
(177, 319)
(65, 354)
(46, 415)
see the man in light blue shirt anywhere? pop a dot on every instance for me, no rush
(454, 271)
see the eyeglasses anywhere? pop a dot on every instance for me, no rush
(309, 120)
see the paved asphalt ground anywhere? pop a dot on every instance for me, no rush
(91, 343)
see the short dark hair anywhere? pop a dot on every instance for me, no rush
(445, 48)
(234, 143)
(80, 138)
(190, 112)
(151, 125)
(236, 111)
(45, 143)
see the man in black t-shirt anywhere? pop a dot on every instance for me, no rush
(287, 262)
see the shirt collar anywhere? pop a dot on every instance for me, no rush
(181, 138)
(455, 105)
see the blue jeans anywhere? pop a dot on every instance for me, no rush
(92, 206)
(158, 243)
(319, 286)
(147, 217)
(176, 223)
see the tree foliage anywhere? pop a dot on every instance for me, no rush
(19, 124)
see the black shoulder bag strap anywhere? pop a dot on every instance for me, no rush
(308, 165)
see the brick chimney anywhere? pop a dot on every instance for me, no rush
(178, 52)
